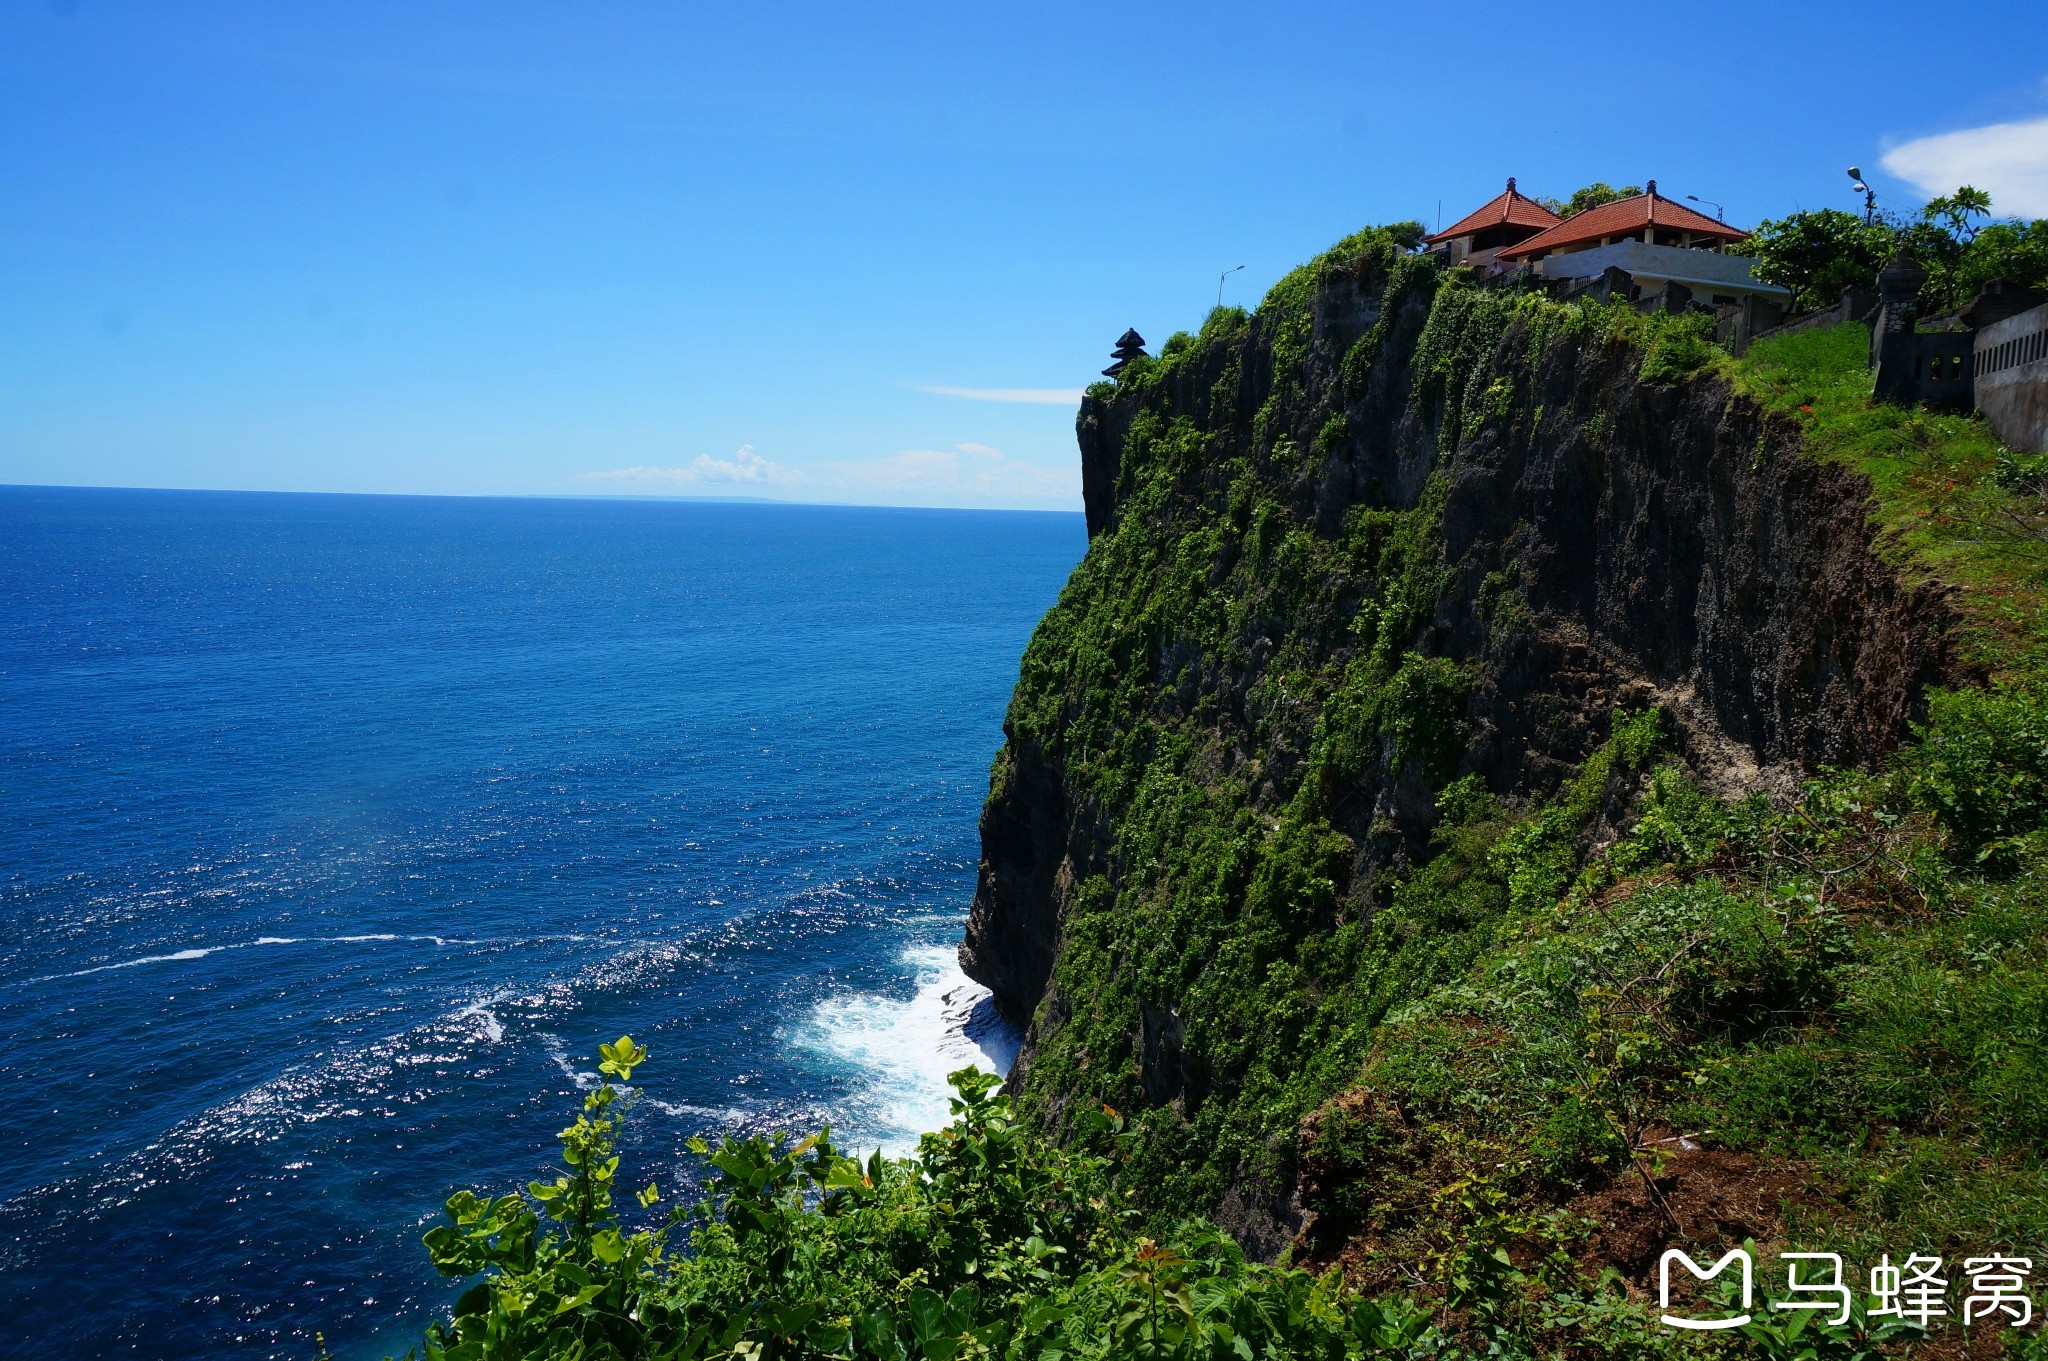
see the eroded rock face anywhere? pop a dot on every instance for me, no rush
(1605, 542)
(1693, 552)
(1027, 837)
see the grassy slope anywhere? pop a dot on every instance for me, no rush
(1961, 507)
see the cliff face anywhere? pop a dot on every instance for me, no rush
(1387, 536)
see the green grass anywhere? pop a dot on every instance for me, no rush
(1957, 505)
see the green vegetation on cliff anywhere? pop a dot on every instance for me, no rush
(1232, 901)
(1584, 1020)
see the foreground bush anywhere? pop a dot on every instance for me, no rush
(987, 1243)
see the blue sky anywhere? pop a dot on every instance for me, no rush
(818, 252)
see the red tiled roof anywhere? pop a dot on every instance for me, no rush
(1506, 209)
(1619, 217)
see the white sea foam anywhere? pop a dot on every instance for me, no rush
(493, 1028)
(684, 1110)
(586, 1079)
(135, 963)
(899, 1050)
(202, 951)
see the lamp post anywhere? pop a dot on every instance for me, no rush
(1219, 282)
(1869, 195)
(1711, 204)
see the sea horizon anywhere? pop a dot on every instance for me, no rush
(650, 498)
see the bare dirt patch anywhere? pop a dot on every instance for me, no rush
(1683, 1193)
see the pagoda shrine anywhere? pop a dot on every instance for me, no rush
(1130, 345)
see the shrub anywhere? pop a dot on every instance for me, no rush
(1680, 346)
(1981, 767)
(987, 1243)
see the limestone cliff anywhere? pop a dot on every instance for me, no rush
(1392, 534)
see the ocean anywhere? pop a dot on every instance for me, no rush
(339, 831)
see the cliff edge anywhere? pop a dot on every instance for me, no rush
(1393, 556)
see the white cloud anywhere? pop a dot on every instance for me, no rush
(744, 469)
(1034, 396)
(966, 474)
(2009, 161)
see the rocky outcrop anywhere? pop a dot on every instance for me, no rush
(1029, 845)
(1673, 544)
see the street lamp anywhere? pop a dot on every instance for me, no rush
(1869, 195)
(1711, 204)
(1219, 282)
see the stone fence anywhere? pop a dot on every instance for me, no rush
(1856, 304)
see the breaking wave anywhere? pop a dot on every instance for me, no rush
(897, 1051)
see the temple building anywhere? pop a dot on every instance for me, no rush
(1654, 241)
(1480, 236)
(1647, 217)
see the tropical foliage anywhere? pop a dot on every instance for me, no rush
(1817, 254)
(987, 1243)
(1591, 196)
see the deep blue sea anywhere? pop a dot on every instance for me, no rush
(337, 832)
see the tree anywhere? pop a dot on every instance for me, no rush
(1940, 239)
(1407, 235)
(1952, 212)
(1592, 196)
(1962, 256)
(2013, 250)
(1818, 254)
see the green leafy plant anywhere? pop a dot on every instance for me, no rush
(573, 1291)
(1819, 253)
(989, 1242)
(1589, 196)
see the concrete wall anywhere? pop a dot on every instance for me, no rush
(1705, 272)
(2011, 363)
